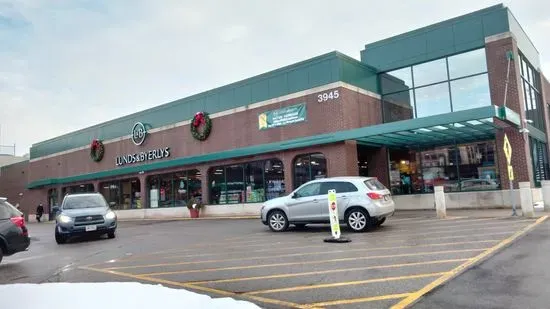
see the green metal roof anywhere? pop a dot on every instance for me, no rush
(311, 73)
(442, 39)
(468, 125)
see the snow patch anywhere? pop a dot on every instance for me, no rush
(116, 295)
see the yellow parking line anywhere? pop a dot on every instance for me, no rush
(198, 288)
(330, 271)
(303, 254)
(346, 283)
(413, 297)
(446, 231)
(359, 300)
(310, 262)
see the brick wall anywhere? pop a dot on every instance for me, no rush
(497, 66)
(13, 182)
(237, 130)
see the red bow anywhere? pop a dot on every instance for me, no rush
(199, 119)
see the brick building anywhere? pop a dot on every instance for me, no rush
(420, 109)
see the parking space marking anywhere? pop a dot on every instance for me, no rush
(305, 254)
(199, 288)
(345, 283)
(447, 231)
(330, 271)
(358, 300)
(312, 262)
(413, 297)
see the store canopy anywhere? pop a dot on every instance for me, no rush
(462, 126)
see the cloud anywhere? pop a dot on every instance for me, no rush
(69, 64)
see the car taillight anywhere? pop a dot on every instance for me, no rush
(375, 196)
(20, 222)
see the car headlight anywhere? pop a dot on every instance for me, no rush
(110, 215)
(64, 219)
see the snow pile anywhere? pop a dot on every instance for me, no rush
(131, 295)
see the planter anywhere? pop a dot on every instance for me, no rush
(194, 213)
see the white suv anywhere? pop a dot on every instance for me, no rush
(363, 203)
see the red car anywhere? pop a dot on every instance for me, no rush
(14, 236)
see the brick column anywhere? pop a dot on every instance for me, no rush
(205, 185)
(496, 48)
(378, 165)
(343, 160)
(144, 195)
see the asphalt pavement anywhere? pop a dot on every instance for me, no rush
(393, 266)
(516, 277)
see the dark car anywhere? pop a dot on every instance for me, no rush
(84, 214)
(14, 236)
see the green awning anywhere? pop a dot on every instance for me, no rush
(463, 126)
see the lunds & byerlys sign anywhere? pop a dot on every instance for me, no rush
(139, 133)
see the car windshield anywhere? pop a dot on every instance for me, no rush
(374, 184)
(84, 201)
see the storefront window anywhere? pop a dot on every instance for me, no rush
(466, 64)
(174, 189)
(252, 182)
(308, 167)
(122, 194)
(464, 167)
(52, 198)
(84, 188)
(396, 81)
(539, 155)
(478, 167)
(405, 176)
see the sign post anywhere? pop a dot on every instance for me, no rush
(507, 147)
(334, 220)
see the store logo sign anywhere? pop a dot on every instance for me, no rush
(139, 132)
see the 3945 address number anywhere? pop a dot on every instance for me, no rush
(327, 96)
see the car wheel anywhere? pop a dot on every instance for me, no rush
(278, 222)
(59, 239)
(1, 254)
(358, 220)
(381, 221)
(111, 235)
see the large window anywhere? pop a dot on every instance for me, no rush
(462, 167)
(252, 182)
(122, 194)
(308, 167)
(531, 90)
(174, 189)
(85, 188)
(436, 87)
(539, 155)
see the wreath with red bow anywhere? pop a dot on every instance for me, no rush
(97, 150)
(201, 125)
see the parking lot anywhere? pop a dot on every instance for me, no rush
(391, 266)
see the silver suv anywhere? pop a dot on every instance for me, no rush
(363, 203)
(84, 214)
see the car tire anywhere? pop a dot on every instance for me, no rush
(60, 239)
(358, 220)
(381, 221)
(111, 235)
(1, 254)
(277, 221)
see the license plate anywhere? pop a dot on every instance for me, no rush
(91, 228)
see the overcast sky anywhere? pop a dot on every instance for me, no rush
(68, 64)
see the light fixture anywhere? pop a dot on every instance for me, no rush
(524, 130)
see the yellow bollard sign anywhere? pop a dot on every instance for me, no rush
(333, 212)
(510, 172)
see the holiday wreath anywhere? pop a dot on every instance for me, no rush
(97, 150)
(201, 125)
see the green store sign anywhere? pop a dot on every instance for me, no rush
(282, 117)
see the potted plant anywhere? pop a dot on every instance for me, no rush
(194, 207)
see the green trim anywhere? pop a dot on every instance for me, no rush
(372, 134)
